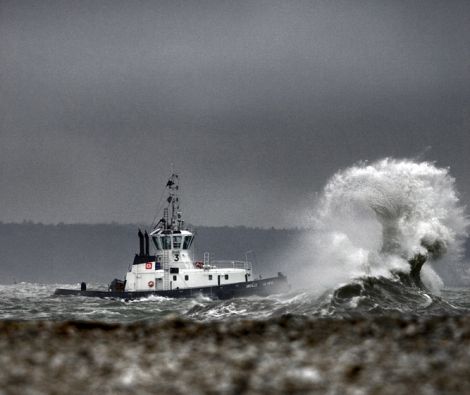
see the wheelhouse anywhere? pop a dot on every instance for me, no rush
(179, 240)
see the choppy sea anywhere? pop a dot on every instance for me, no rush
(362, 297)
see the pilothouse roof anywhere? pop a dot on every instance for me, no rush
(160, 231)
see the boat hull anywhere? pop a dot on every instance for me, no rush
(261, 287)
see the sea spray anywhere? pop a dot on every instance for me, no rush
(371, 219)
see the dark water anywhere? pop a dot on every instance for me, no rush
(362, 297)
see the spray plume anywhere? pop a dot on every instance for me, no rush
(373, 219)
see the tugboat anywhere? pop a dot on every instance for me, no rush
(171, 271)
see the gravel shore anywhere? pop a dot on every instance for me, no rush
(379, 355)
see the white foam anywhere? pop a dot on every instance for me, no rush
(371, 218)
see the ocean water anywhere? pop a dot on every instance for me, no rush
(362, 297)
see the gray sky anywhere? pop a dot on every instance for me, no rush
(255, 103)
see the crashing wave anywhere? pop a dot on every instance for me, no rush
(386, 217)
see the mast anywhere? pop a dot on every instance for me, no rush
(172, 217)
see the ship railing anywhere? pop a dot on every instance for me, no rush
(232, 264)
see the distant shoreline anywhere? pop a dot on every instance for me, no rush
(71, 253)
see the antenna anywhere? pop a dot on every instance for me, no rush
(165, 218)
(174, 214)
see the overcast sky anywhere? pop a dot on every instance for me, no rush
(256, 103)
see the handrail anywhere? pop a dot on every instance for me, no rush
(235, 264)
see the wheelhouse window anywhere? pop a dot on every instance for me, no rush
(157, 243)
(187, 242)
(166, 242)
(177, 241)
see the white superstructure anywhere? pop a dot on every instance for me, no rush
(171, 266)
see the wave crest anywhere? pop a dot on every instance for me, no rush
(372, 219)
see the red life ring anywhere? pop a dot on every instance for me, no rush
(151, 283)
(199, 264)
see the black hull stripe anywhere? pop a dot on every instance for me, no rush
(262, 287)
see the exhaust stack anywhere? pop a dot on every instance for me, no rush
(141, 243)
(147, 244)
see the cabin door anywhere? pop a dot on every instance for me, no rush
(218, 279)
